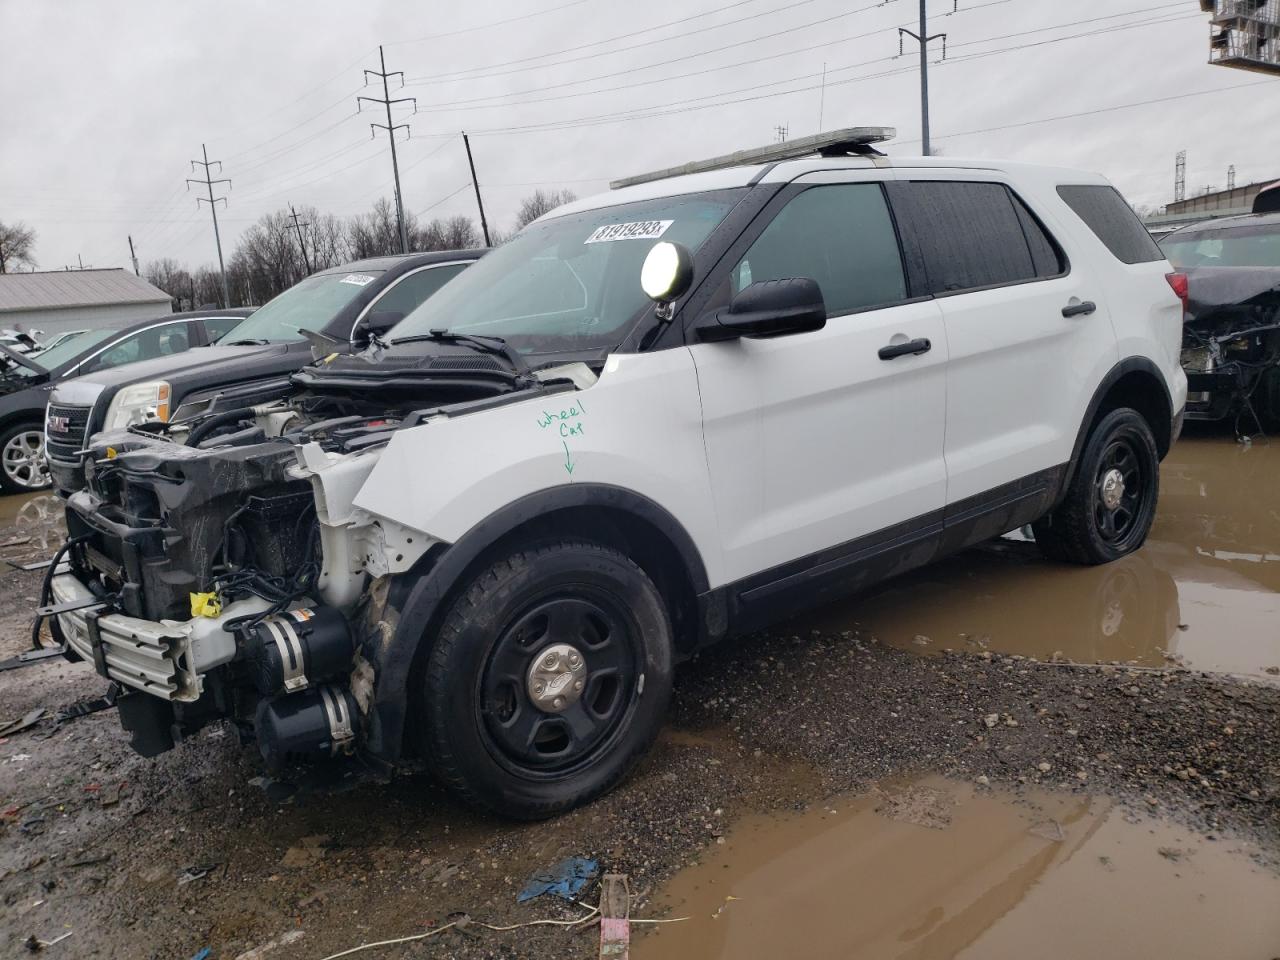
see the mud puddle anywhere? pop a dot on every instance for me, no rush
(1204, 592)
(934, 869)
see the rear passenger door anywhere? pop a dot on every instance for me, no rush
(1017, 364)
(822, 454)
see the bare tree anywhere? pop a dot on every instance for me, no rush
(17, 241)
(170, 276)
(267, 259)
(540, 202)
(376, 233)
(456, 233)
(327, 240)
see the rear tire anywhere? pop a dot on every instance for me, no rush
(1111, 501)
(23, 468)
(548, 680)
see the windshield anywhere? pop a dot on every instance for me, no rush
(65, 350)
(309, 305)
(1257, 245)
(571, 283)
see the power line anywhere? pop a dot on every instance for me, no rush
(448, 196)
(391, 129)
(672, 108)
(491, 24)
(213, 209)
(459, 75)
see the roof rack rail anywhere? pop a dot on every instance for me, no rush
(856, 140)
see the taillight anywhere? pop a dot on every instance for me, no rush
(1178, 281)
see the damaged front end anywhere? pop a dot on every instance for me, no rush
(1231, 345)
(218, 569)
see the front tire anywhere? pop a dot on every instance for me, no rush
(548, 680)
(1111, 501)
(23, 467)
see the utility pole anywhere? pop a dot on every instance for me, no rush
(391, 129)
(780, 133)
(924, 40)
(213, 209)
(134, 257)
(297, 228)
(1180, 176)
(1231, 177)
(484, 224)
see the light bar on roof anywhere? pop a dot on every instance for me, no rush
(848, 140)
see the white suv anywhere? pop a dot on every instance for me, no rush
(482, 544)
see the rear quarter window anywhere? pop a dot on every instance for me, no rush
(1112, 220)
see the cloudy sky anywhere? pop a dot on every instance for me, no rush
(104, 103)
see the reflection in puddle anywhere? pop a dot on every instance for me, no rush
(1204, 591)
(934, 869)
(32, 523)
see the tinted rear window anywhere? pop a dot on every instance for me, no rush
(1105, 212)
(967, 235)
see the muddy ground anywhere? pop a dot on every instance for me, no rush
(837, 716)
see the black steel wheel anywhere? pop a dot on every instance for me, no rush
(548, 679)
(557, 683)
(1110, 502)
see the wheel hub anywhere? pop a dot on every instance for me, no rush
(1112, 488)
(557, 677)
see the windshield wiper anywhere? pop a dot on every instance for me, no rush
(485, 344)
(250, 342)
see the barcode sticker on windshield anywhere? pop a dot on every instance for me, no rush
(359, 279)
(639, 230)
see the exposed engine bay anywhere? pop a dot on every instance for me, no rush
(219, 567)
(1231, 346)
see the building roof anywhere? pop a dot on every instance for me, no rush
(55, 289)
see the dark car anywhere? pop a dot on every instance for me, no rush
(27, 379)
(1231, 341)
(336, 308)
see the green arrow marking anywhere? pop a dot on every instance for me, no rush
(568, 460)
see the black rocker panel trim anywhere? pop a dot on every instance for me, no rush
(765, 598)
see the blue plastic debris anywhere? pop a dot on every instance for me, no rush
(566, 879)
(204, 954)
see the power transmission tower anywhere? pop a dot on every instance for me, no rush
(484, 224)
(923, 39)
(134, 257)
(391, 129)
(1231, 177)
(1180, 177)
(297, 228)
(213, 209)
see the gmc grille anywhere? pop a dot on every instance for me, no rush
(64, 431)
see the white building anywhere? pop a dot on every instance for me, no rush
(58, 300)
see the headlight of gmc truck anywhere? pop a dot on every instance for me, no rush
(138, 403)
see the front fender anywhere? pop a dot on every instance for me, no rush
(631, 442)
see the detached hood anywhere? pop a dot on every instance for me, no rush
(1211, 288)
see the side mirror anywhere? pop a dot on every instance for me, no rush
(379, 322)
(667, 272)
(768, 308)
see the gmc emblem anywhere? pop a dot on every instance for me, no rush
(59, 424)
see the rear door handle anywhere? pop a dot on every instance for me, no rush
(908, 347)
(1079, 309)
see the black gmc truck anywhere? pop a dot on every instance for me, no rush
(253, 362)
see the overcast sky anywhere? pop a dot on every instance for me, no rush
(103, 104)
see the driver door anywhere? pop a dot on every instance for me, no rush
(826, 461)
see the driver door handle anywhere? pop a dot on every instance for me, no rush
(906, 348)
(1079, 309)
